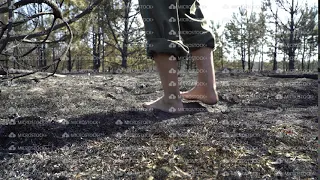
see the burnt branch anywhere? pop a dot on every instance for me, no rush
(8, 36)
(58, 26)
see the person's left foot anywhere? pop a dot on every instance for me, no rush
(171, 106)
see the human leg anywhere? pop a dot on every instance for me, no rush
(171, 101)
(200, 40)
(164, 42)
(205, 90)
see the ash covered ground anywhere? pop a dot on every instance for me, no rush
(93, 127)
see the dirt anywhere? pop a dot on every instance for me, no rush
(93, 127)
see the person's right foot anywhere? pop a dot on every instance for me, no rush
(202, 94)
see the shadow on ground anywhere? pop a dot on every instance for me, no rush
(50, 135)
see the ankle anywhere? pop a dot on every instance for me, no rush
(206, 87)
(172, 99)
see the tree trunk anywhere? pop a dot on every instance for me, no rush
(103, 54)
(310, 50)
(221, 57)
(98, 43)
(242, 50)
(44, 55)
(259, 68)
(275, 63)
(53, 58)
(309, 59)
(249, 58)
(244, 59)
(291, 43)
(103, 49)
(78, 65)
(284, 62)
(303, 53)
(69, 61)
(262, 58)
(253, 59)
(98, 63)
(124, 53)
(93, 47)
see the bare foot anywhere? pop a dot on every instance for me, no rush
(171, 106)
(202, 94)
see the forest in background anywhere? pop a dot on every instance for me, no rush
(110, 35)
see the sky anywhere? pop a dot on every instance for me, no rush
(222, 10)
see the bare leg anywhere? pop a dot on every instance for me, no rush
(205, 90)
(171, 101)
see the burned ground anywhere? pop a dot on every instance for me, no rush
(81, 127)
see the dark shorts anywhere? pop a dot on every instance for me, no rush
(175, 27)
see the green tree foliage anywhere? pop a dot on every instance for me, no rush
(244, 33)
(221, 45)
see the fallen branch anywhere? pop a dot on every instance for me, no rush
(58, 26)
(308, 76)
